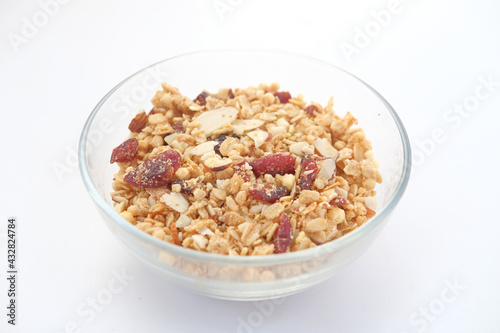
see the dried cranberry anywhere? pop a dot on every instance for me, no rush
(339, 201)
(308, 173)
(283, 96)
(310, 110)
(274, 164)
(156, 171)
(230, 94)
(152, 111)
(242, 171)
(178, 127)
(125, 152)
(220, 139)
(267, 192)
(185, 188)
(201, 99)
(283, 235)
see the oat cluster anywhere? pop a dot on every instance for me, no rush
(241, 172)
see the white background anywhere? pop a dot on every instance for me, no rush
(435, 268)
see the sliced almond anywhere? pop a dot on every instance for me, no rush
(343, 193)
(208, 155)
(240, 126)
(180, 146)
(308, 150)
(325, 148)
(327, 168)
(277, 130)
(170, 138)
(205, 230)
(203, 148)
(371, 202)
(200, 240)
(258, 136)
(298, 148)
(217, 163)
(282, 122)
(183, 221)
(210, 121)
(370, 156)
(176, 201)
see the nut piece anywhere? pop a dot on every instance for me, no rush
(217, 163)
(301, 148)
(171, 138)
(325, 148)
(203, 148)
(327, 168)
(138, 123)
(371, 202)
(242, 125)
(258, 136)
(211, 121)
(183, 221)
(200, 240)
(176, 201)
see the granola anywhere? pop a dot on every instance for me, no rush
(250, 171)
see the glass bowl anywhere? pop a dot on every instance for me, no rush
(257, 277)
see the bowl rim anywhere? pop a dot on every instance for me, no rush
(271, 259)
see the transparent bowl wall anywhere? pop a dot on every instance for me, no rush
(245, 278)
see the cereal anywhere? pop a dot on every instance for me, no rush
(245, 172)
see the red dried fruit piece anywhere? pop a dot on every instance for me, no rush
(156, 171)
(267, 192)
(242, 171)
(138, 123)
(220, 139)
(201, 99)
(152, 111)
(283, 96)
(310, 110)
(339, 201)
(178, 127)
(308, 173)
(125, 152)
(283, 235)
(185, 188)
(274, 164)
(230, 94)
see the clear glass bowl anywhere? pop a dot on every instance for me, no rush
(245, 278)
